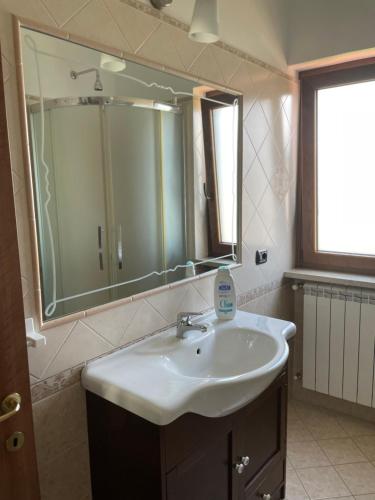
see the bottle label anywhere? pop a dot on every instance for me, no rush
(225, 306)
(224, 287)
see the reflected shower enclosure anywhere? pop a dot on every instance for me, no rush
(127, 187)
(116, 202)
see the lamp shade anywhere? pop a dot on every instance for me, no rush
(205, 23)
(112, 63)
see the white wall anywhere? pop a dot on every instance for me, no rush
(323, 28)
(258, 27)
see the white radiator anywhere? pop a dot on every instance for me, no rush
(339, 342)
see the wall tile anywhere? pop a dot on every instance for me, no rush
(205, 287)
(135, 26)
(31, 9)
(59, 423)
(111, 324)
(62, 449)
(256, 126)
(255, 183)
(249, 154)
(81, 345)
(96, 23)
(207, 67)
(160, 48)
(40, 358)
(67, 476)
(146, 320)
(61, 12)
(168, 303)
(249, 79)
(227, 62)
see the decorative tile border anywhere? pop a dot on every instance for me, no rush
(45, 388)
(147, 9)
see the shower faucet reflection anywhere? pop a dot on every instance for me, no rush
(98, 83)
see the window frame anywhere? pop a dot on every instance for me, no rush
(215, 246)
(310, 82)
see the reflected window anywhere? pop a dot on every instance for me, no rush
(220, 126)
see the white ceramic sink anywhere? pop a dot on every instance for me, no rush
(212, 374)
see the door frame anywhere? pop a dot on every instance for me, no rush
(18, 469)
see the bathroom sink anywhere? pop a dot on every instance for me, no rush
(212, 373)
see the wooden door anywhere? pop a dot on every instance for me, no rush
(206, 475)
(260, 439)
(18, 470)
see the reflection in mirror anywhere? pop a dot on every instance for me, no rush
(135, 174)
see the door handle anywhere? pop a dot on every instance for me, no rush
(120, 250)
(100, 247)
(10, 406)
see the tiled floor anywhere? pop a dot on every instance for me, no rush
(330, 455)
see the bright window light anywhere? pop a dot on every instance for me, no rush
(225, 136)
(346, 169)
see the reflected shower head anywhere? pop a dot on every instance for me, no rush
(98, 83)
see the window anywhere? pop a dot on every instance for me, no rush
(220, 129)
(337, 167)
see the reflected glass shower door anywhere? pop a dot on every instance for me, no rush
(74, 156)
(133, 138)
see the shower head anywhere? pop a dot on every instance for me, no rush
(98, 83)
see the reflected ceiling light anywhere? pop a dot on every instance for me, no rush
(112, 63)
(205, 23)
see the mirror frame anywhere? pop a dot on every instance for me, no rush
(20, 22)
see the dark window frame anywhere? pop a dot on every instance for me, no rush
(311, 81)
(216, 248)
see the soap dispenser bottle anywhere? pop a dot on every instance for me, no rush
(225, 294)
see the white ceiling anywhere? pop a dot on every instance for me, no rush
(282, 32)
(257, 27)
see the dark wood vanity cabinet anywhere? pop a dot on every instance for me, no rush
(194, 457)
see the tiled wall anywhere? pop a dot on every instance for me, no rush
(269, 186)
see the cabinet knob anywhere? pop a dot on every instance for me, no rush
(239, 468)
(266, 496)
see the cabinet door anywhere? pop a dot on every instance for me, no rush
(260, 435)
(206, 475)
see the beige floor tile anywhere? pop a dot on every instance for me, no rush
(294, 488)
(292, 413)
(342, 451)
(341, 498)
(360, 478)
(365, 497)
(297, 432)
(322, 482)
(289, 466)
(326, 427)
(367, 446)
(355, 426)
(306, 411)
(306, 454)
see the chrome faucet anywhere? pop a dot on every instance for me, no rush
(184, 324)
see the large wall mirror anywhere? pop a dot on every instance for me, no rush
(135, 174)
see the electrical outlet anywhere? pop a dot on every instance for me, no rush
(261, 257)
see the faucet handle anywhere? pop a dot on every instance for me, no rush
(186, 316)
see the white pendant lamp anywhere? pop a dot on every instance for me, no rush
(205, 23)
